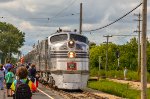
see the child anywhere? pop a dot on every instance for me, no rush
(2, 73)
(9, 80)
(22, 74)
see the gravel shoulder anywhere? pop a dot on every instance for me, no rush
(102, 94)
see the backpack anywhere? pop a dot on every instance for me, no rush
(23, 90)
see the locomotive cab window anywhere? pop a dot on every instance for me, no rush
(78, 38)
(58, 38)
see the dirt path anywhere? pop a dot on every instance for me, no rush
(134, 85)
(105, 95)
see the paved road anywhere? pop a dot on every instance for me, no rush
(38, 95)
(42, 94)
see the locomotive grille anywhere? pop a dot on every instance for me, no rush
(64, 54)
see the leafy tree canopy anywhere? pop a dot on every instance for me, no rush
(91, 44)
(11, 39)
(128, 55)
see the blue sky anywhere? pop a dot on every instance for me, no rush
(40, 18)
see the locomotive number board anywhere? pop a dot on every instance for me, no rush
(71, 66)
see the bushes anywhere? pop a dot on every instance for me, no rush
(94, 72)
(131, 75)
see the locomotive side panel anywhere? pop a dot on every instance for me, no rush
(42, 55)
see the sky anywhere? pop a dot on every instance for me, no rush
(40, 18)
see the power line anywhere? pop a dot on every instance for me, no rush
(41, 18)
(68, 15)
(115, 20)
(139, 40)
(106, 65)
(124, 35)
(122, 39)
(49, 18)
(63, 9)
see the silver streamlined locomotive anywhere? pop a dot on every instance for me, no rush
(62, 60)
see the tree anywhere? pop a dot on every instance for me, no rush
(132, 53)
(11, 39)
(100, 50)
(128, 55)
(92, 44)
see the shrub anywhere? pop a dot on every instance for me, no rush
(131, 75)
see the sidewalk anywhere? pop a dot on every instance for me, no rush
(3, 95)
(37, 95)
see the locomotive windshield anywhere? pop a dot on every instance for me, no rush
(78, 38)
(60, 37)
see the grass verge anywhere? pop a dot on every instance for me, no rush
(118, 89)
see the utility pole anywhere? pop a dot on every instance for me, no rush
(143, 52)
(80, 29)
(139, 45)
(107, 36)
(118, 57)
(100, 62)
(100, 59)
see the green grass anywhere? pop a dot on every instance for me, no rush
(122, 90)
(148, 93)
(118, 89)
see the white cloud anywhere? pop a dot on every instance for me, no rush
(30, 5)
(87, 26)
(31, 8)
(14, 4)
(66, 28)
(25, 26)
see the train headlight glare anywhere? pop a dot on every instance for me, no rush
(71, 54)
(71, 44)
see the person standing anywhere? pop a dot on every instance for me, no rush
(9, 80)
(125, 73)
(2, 74)
(32, 72)
(7, 65)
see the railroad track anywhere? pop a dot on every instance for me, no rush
(80, 95)
(76, 94)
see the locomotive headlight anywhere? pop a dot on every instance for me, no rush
(71, 54)
(71, 44)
